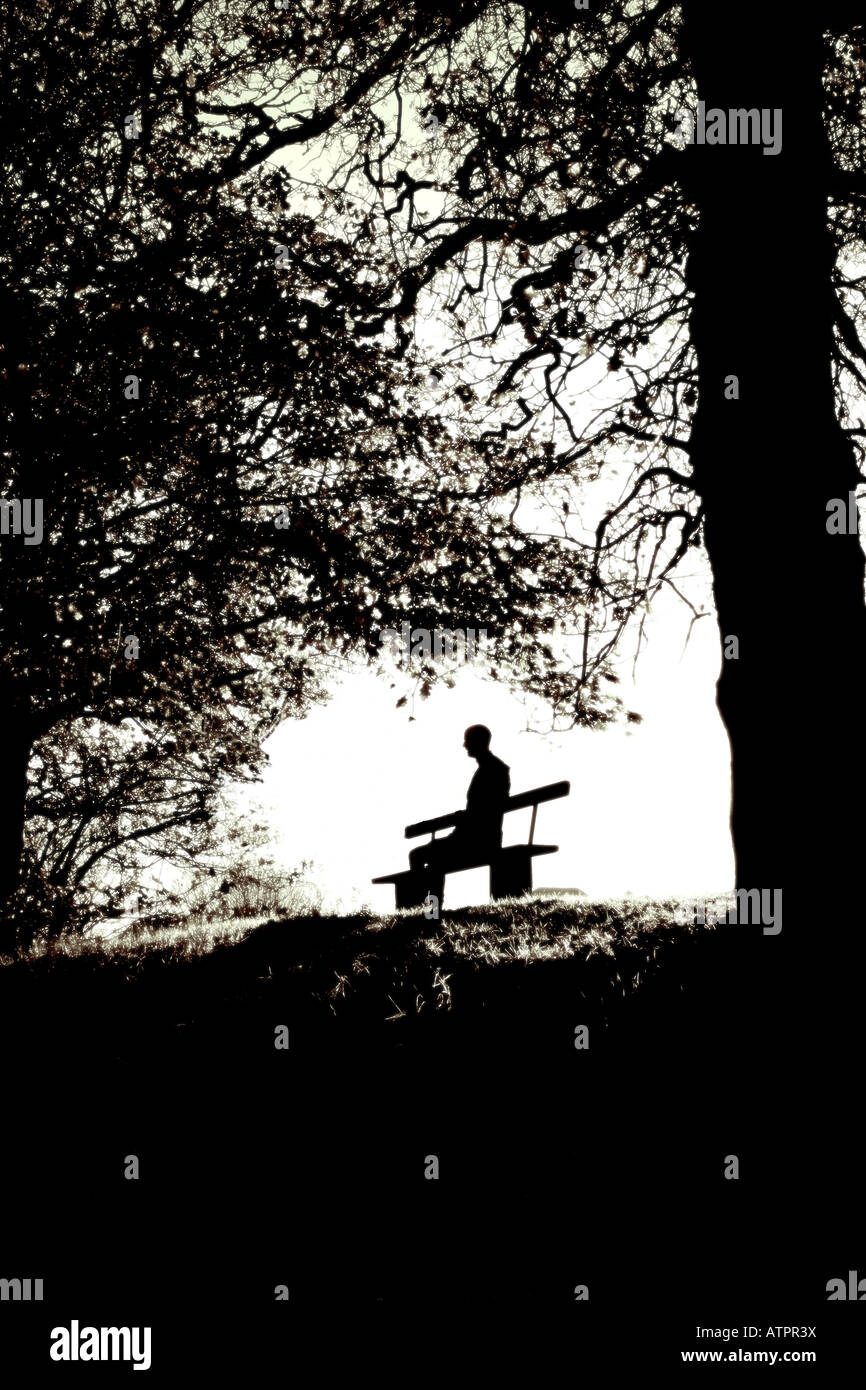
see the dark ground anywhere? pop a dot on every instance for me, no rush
(558, 1167)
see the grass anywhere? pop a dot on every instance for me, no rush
(374, 980)
(407, 1038)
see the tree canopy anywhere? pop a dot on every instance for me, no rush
(327, 314)
(234, 485)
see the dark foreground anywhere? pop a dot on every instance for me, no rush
(558, 1167)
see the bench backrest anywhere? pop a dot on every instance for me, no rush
(514, 803)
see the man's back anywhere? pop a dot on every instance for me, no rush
(488, 792)
(478, 834)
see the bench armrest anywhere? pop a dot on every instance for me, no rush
(514, 803)
(426, 827)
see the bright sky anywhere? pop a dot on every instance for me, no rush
(649, 804)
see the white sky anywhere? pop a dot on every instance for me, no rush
(649, 804)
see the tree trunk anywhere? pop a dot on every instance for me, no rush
(768, 463)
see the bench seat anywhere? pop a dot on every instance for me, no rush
(510, 874)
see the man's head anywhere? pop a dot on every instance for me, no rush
(476, 740)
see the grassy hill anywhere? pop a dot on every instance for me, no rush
(408, 1039)
(536, 968)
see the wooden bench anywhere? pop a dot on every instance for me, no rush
(510, 866)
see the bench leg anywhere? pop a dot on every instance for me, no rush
(511, 875)
(410, 890)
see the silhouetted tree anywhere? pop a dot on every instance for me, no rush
(233, 485)
(494, 195)
(536, 226)
(105, 803)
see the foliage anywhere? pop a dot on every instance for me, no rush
(239, 876)
(104, 801)
(368, 266)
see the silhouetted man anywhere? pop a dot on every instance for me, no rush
(479, 830)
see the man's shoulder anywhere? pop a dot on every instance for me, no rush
(497, 765)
